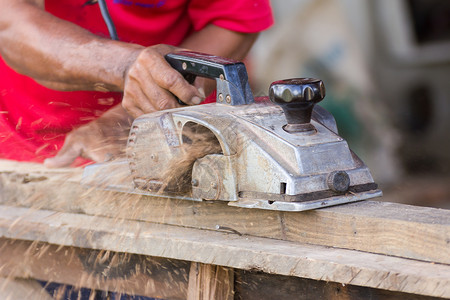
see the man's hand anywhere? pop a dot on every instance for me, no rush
(75, 59)
(151, 84)
(99, 140)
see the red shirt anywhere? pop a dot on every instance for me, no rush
(34, 120)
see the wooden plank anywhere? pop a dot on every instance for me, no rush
(248, 285)
(118, 272)
(210, 282)
(228, 250)
(261, 286)
(377, 227)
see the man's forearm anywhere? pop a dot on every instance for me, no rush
(64, 56)
(59, 54)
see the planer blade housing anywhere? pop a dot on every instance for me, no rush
(280, 152)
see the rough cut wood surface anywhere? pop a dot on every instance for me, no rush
(227, 249)
(378, 227)
(47, 262)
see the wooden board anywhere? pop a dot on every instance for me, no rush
(64, 265)
(228, 250)
(370, 226)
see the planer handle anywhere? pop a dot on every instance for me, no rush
(230, 75)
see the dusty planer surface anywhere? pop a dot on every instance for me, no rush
(280, 152)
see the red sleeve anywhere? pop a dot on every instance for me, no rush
(247, 16)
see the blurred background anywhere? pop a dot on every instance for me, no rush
(386, 68)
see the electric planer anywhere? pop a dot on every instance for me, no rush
(280, 152)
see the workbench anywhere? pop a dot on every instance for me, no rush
(54, 229)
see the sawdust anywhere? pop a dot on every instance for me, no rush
(198, 141)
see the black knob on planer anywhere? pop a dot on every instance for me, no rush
(297, 98)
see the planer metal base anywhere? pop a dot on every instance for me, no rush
(102, 176)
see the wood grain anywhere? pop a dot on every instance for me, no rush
(227, 249)
(210, 282)
(38, 260)
(377, 227)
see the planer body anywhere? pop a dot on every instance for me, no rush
(280, 152)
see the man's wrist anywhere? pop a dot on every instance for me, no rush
(113, 67)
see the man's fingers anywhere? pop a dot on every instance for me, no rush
(65, 157)
(163, 98)
(98, 140)
(70, 151)
(152, 84)
(171, 80)
(143, 95)
(136, 98)
(135, 101)
(133, 111)
(167, 77)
